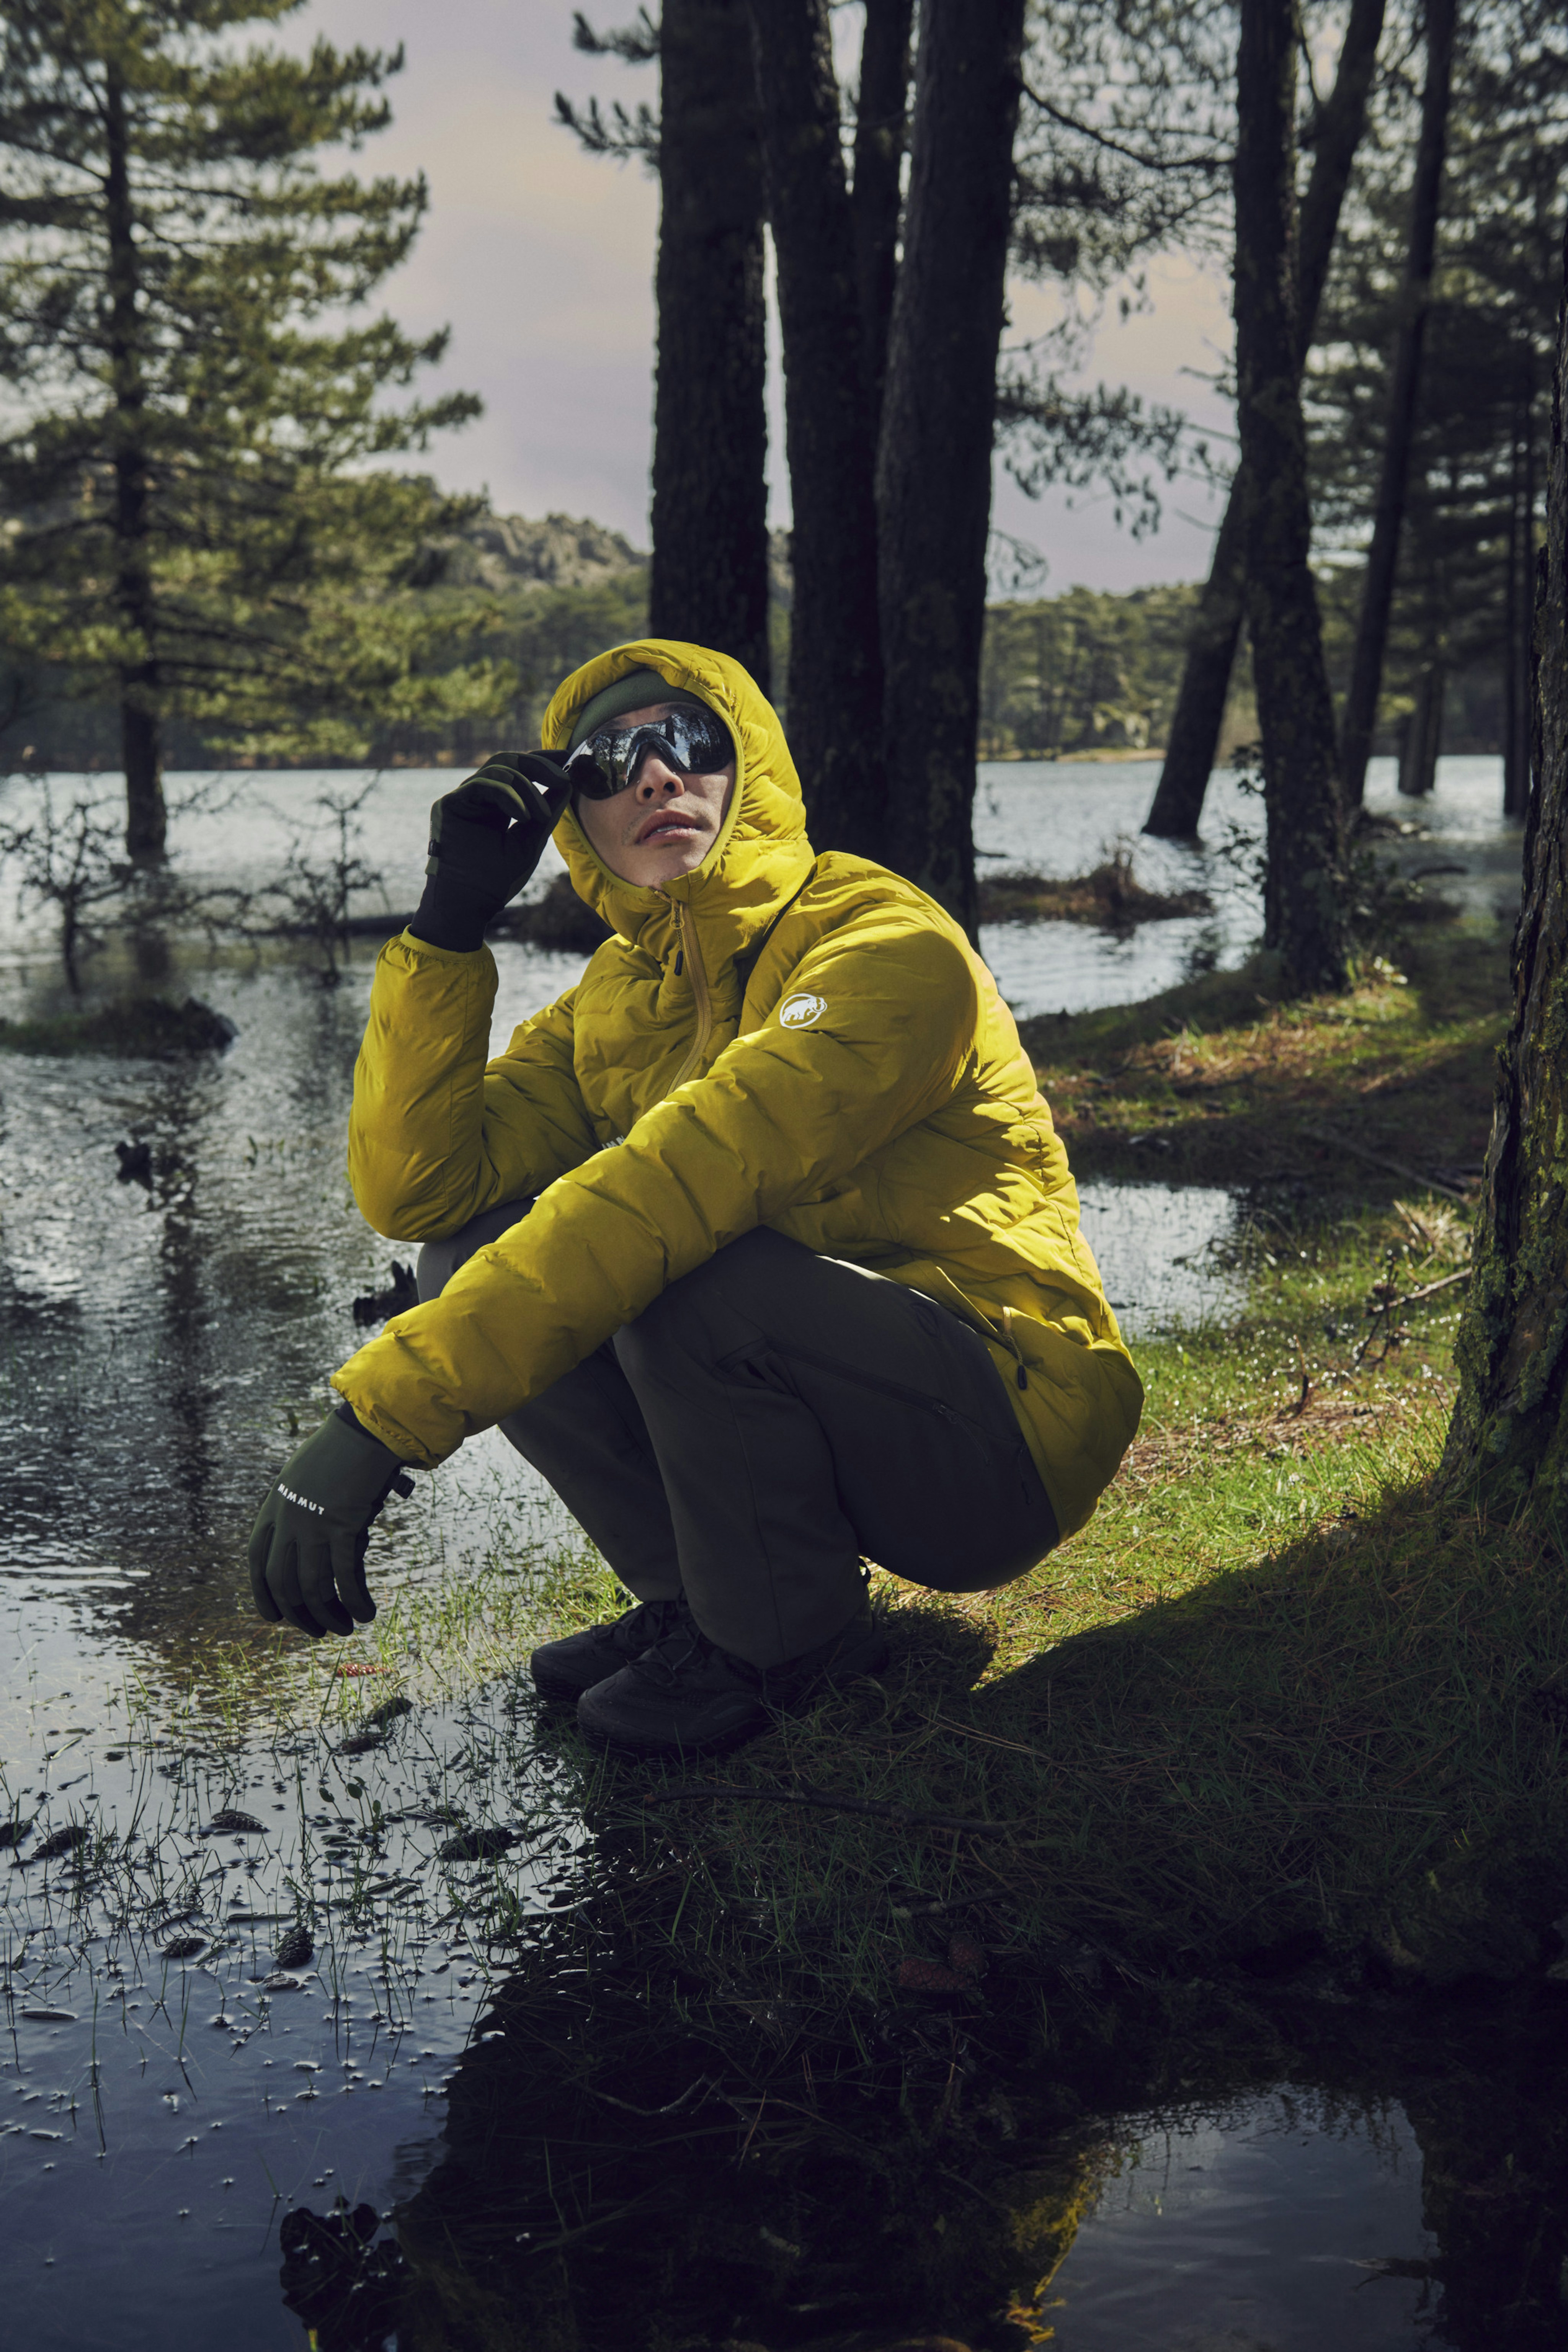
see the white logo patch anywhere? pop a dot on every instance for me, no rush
(800, 1012)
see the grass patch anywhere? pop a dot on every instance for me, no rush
(1217, 1081)
(1111, 897)
(145, 1026)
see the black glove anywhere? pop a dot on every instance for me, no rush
(308, 1545)
(486, 838)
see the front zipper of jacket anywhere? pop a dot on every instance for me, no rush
(692, 955)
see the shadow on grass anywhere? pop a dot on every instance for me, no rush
(1351, 1754)
(1353, 1749)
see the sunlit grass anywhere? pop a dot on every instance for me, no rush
(1218, 1081)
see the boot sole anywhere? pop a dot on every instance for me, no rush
(621, 1743)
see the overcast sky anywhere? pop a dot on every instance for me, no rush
(541, 259)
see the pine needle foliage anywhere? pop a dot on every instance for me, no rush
(192, 517)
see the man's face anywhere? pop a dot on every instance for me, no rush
(662, 825)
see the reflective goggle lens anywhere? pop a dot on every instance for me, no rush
(694, 741)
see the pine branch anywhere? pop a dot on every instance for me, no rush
(624, 134)
(636, 44)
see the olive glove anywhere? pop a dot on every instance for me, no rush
(486, 838)
(308, 1545)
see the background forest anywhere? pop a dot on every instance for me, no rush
(220, 541)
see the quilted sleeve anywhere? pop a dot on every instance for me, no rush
(435, 1135)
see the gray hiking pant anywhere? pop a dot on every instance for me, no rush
(770, 1417)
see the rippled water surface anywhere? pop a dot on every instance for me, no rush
(1269, 2225)
(164, 1338)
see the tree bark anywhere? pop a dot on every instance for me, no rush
(1423, 735)
(141, 734)
(1520, 602)
(1508, 1436)
(880, 128)
(934, 467)
(834, 660)
(1195, 724)
(1304, 881)
(1194, 745)
(709, 578)
(1403, 397)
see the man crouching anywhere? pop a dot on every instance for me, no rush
(758, 1244)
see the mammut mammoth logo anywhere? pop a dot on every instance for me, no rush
(800, 1012)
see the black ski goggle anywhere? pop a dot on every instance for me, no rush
(694, 741)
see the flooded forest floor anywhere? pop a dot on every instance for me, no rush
(1257, 1790)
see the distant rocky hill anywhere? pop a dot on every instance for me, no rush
(499, 552)
(502, 553)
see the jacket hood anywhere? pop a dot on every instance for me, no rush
(762, 854)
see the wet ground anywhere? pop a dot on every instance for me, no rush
(170, 2092)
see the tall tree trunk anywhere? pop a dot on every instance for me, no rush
(1194, 742)
(709, 579)
(1199, 715)
(1403, 397)
(880, 128)
(1519, 602)
(1304, 884)
(834, 658)
(1423, 735)
(1508, 1436)
(933, 467)
(146, 819)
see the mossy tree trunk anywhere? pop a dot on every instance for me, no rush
(1304, 891)
(834, 658)
(1509, 1437)
(709, 578)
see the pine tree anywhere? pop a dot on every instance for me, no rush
(933, 455)
(709, 578)
(831, 361)
(1216, 630)
(1304, 885)
(1465, 579)
(191, 524)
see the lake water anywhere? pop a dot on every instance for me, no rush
(163, 1339)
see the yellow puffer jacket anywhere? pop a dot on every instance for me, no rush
(808, 1044)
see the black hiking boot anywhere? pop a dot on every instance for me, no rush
(565, 1669)
(689, 1698)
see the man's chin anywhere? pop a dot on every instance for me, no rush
(670, 859)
